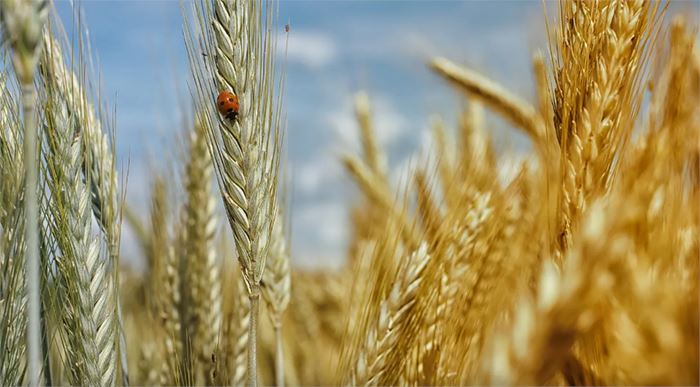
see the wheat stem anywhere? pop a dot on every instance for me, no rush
(238, 334)
(254, 297)
(279, 356)
(23, 22)
(31, 210)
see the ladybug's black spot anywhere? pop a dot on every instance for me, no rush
(230, 99)
(221, 103)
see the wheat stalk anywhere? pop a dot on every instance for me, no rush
(245, 150)
(22, 22)
(203, 274)
(98, 164)
(239, 334)
(276, 289)
(379, 194)
(90, 317)
(382, 336)
(165, 281)
(522, 114)
(13, 300)
(597, 108)
(375, 159)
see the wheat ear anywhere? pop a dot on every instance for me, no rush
(567, 306)
(22, 22)
(200, 228)
(378, 193)
(13, 299)
(84, 275)
(246, 149)
(165, 280)
(519, 112)
(374, 157)
(393, 312)
(276, 290)
(595, 109)
(98, 163)
(238, 334)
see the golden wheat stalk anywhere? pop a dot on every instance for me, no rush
(379, 194)
(597, 107)
(382, 336)
(239, 335)
(276, 289)
(519, 112)
(203, 274)
(374, 157)
(567, 306)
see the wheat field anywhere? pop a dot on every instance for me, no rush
(581, 267)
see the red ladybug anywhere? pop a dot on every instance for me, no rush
(227, 104)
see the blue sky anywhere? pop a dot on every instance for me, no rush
(336, 48)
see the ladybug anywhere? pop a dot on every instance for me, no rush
(227, 103)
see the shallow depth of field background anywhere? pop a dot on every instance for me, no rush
(336, 48)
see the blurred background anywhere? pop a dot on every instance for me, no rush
(335, 49)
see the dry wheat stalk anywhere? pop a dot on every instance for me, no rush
(277, 279)
(245, 150)
(375, 159)
(13, 300)
(90, 319)
(596, 108)
(428, 208)
(97, 162)
(383, 335)
(21, 23)
(276, 290)
(379, 194)
(519, 112)
(567, 306)
(238, 335)
(445, 162)
(203, 274)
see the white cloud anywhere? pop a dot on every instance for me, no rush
(311, 49)
(323, 228)
(389, 124)
(313, 175)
